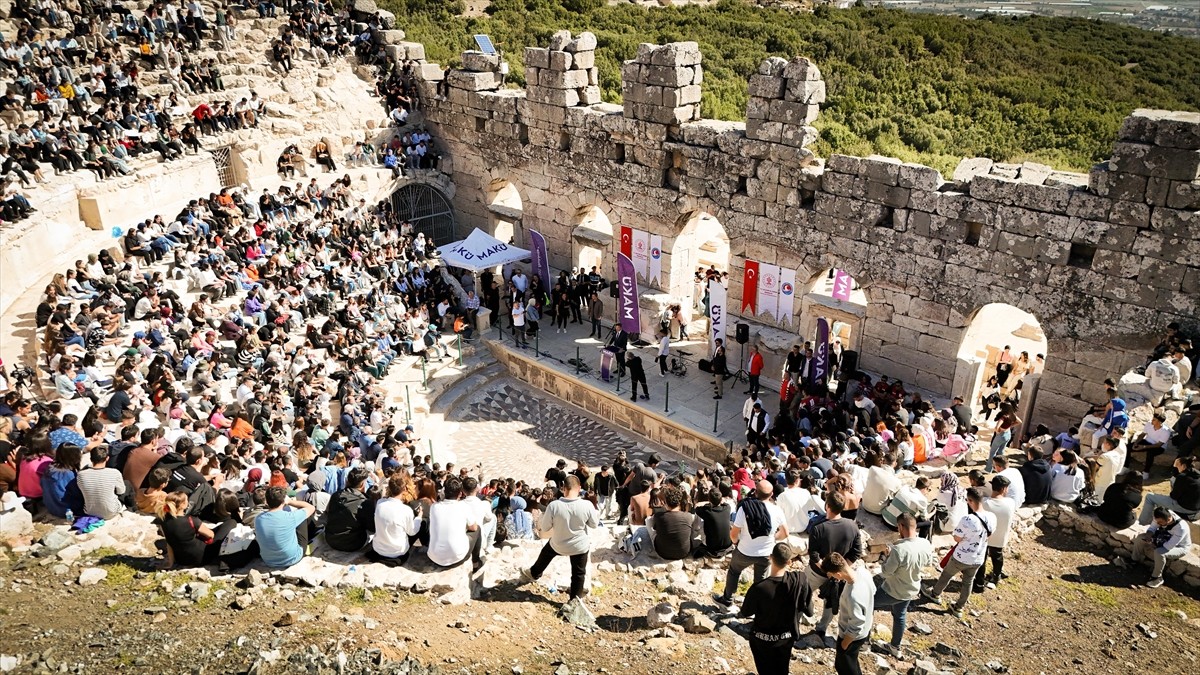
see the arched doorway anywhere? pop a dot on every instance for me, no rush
(505, 208)
(592, 239)
(838, 298)
(701, 243)
(427, 209)
(992, 329)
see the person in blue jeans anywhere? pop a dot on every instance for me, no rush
(1006, 421)
(282, 533)
(899, 581)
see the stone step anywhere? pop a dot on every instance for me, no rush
(449, 399)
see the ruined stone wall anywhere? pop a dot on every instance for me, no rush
(1104, 261)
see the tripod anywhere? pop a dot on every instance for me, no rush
(741, 375)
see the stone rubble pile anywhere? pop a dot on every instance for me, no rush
(565, 74)
(662, 83)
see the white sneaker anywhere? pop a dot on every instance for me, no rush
(1155, 582)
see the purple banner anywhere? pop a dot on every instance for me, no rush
(540, 261)
(627, 298)
(842, 283)
(820, 368)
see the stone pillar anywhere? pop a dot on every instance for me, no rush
(662, 84)
(565, 74)
(785, 99)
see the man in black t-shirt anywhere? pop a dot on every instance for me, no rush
(558, 474)
(773, 602)
(834, 535)
(715, 520)
(676, 534)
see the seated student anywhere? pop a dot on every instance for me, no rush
(1167, 538)
(60, 490)
(395, 523)
(1067, 479)
(1184, 499)
(881, 484)
(1153, 441)
(1035, 475)
(453, 530)
(1121, 500)
(105, 492)
(349, 519)
(152, 498)
(190, 542)
(716, 520)
(676, 534)
(282, 533)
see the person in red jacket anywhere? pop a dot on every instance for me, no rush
(755, 368)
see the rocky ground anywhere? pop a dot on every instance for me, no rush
(1066, 609)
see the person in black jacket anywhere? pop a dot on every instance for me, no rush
(1121, 500)
(774, 603)
(1184, 499)
(187, 478)
(716, 519)
(636, 374)
(350, 519)
(1036, 473)
(833, 535)
(605, 486)
(718, 367)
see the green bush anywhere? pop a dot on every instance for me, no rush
(924, 87)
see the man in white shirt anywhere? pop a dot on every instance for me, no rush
(796, 502)
(483, 514)
(664, 353)
(520, 281)
(1001, 506)
(970, 551)
(395, 523)
(759, 523)
(1153, 442)
(453, 529)
(1016, 483)
(882, 483)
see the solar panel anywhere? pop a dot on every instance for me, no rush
(485, 44)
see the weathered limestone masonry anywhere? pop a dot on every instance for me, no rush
(1104, 261)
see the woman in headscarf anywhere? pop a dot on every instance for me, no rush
(253, 478)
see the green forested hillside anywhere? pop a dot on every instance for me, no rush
(920, 87)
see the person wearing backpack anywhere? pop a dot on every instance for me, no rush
(967, 556)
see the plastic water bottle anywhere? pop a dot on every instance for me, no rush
(553, 588)
(70, 516)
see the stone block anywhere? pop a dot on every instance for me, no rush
(884, 170)
(536, 57)
(676, 54)
(584, 60)
(845, 164)
(766, 86)
(554, 97)
(589, 95)
(1133, 214)
(764, 130)
(668, 77)
(799, 136)
(389, 37)
(758, 108)
(791, 113)
(560, 60)
(1161, 274)
(772, 65)
(559, 40)
(1175, 222)
(479, 62)
(972, 167)
(685, 96)
(800, 68)
(585, 42)
(1149, 160)
(919, 177)
(1156, 191)
(1083, 204)
(568, 79)
(414, 50)
(1183, 195)
(811, 92)
(470, 81)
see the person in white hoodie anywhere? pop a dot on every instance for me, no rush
(882, 483)
(1067, 479)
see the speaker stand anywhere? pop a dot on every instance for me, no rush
(741, 375)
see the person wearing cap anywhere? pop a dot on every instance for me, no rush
(774, 603)
(757, 525)
(1001, 505)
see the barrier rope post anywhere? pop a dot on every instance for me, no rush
(716, 409)
(408, 400)
(618, 381)
(667, 398)
(460, 354)
(430, 450)
(537, 344)
(424, 378)
(577, 360)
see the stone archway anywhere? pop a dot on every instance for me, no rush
(991, 329)
(846, 317)
(505, 210)
(591, 240)
(701, 242)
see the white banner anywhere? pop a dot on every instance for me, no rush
(787, 295)
(768, 290)
(641, 253)
(716, 313)
(656, 259)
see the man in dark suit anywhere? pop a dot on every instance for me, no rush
(718, 369)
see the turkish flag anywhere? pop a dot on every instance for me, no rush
(627, 241)
(750, 287)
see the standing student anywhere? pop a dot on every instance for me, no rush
(754, 369)
(718, 369)
(637, 374)
(970, 551)
(1001, 506)
(899, 582)
(758, 524)
(565, 523)
(774, 603)
(664, 353)
(857, 604)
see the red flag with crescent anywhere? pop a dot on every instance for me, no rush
(627, 241)
(750, 287)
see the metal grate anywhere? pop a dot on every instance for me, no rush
(427, 209)
(222, 157)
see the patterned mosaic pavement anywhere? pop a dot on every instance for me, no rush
(514, 431)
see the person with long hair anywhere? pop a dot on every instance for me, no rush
(396, 525)
(1003, 432)
(32, 460)
(60, 491)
